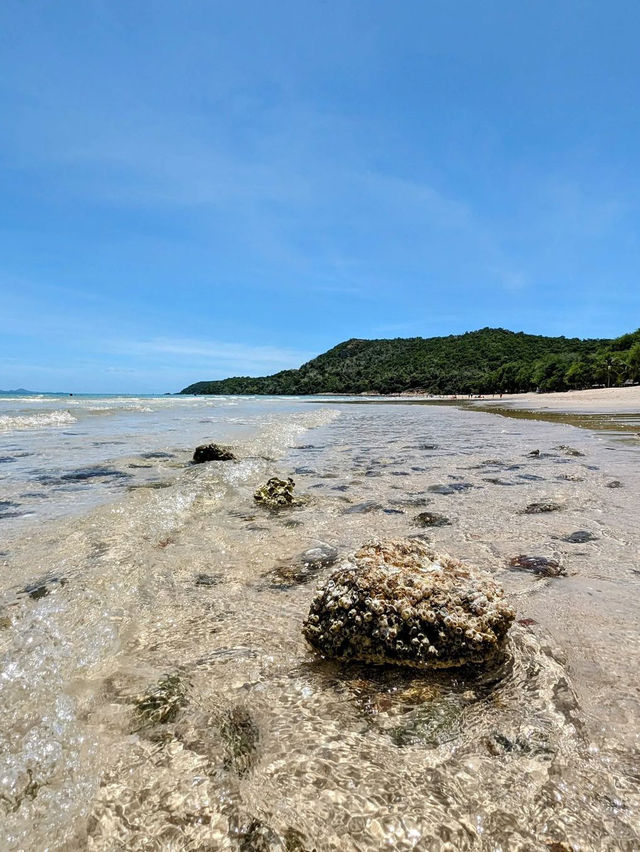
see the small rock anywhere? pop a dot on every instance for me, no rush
(318, 557)
(538, 565)
(162, 702)
(212, 452)
(615, 483)
(543, 506)
(430, 725)
(432, 519)
(208, 579)
(241, 736)
(450, 488)
(363, 508)
(580, 537)
(410, 500)
(532, 743)
(569, 451)
(304, 567)
(88, 473)
(533, 453)
(400, 602)
(44, 587)
(276, 493)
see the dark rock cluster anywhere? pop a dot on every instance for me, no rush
(212, 452)
(540, 565)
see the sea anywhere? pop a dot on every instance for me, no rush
(156, 692)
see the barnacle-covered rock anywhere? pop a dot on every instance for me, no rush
(400, 602)
(276, 493)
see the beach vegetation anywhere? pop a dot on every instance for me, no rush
(488, 361)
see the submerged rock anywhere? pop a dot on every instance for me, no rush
(42, 588)
(569, 451)
(276, 493)
(432, 519)
(162, 702)
(534, 743)
(430, 725)
(208, 579)
(318, 557)
(240, 735)
(363, 508)
(541, 507)
(212, 452)
(540, 565)
(402, 603)
(450, 488)
(580, 537)
(5, 509)
(303, 567)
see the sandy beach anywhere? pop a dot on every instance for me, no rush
(595, 401)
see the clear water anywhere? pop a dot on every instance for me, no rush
(112, 584)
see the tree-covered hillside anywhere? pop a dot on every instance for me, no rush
(491, 360)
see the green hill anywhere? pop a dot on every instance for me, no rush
(485, 361)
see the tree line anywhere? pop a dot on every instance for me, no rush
(480, 362)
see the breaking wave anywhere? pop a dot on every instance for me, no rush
(19, 422)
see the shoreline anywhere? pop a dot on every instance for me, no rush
(600, 409)
(618, 400)
(593, 401)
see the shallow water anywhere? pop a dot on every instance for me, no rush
(190, 597)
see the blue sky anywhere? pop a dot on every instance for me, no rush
(190, 190)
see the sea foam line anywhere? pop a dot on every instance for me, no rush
(18, 422)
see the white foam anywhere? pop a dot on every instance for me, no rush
(19, 422)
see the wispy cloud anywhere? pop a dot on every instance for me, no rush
(218, 357)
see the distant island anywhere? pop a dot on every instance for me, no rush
(491, 360)
(25, 392)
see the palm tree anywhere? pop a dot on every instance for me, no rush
(611, 362)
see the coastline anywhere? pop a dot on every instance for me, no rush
(624, 400)
(599, 409)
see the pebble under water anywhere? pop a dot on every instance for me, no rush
(157, 692)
